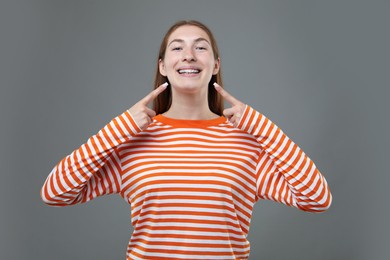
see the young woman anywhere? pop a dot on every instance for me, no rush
(191, 170)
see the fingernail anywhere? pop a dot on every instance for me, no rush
(215, 84)
(165, 84)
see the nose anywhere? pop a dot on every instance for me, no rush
(188, 55)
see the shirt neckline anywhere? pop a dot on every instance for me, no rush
(190, 122)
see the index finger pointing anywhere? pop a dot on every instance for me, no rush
(152, 95)
(229, 98)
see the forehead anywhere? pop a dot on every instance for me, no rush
(188, 32)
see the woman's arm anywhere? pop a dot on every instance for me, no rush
(284, 172)
(94, 169)
(91, 170)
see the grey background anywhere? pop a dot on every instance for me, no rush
(318, 69)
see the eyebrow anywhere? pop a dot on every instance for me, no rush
(196, 40)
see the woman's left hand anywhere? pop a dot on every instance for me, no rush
(234, 113)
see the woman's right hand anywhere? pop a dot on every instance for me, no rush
(141, 113)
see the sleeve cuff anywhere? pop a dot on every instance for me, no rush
(127, 124)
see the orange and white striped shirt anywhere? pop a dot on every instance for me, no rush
(191, 184)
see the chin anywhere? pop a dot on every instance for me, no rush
(187, 87)
(189, 84)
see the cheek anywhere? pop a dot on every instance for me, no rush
(211, 67)
(208, 60)
(169, 65)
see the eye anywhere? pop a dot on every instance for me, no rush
(176, 48)
(201, 48)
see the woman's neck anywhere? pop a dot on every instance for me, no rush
(191, 106)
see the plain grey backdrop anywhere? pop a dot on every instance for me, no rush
(319, 69)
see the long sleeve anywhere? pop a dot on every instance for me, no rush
(284, 173)
(91, 170)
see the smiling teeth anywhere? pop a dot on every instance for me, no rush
(189, 71)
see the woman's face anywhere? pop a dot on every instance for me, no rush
(189, 59)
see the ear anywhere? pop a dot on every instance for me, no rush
(161, 67)
(217, 66)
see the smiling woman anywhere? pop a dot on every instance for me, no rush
(191, 170)
(164, 100)
(189, 64)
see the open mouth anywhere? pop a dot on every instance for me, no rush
(188, 71)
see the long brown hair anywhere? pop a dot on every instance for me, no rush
(163, 102)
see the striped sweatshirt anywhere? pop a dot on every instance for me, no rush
(191, 184)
